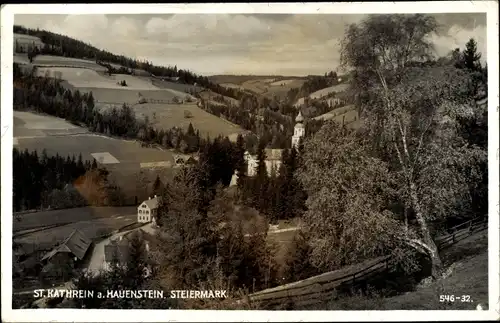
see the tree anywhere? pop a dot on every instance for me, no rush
(241, 166)
(137, 262)
(384, 43)
(348, 193)
(413, 117)
(157, 185)
(184, 232)
(142, 182)
(261, 181)
(471, 57)
(298, 263)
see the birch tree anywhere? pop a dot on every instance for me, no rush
(411, 113)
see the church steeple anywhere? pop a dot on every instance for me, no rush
(298, 131)
(299, 118)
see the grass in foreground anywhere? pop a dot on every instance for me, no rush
(469, 276)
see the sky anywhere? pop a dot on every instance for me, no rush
(257, 44)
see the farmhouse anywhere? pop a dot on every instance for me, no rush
(146, 211)
(63, 258)
(184, 160)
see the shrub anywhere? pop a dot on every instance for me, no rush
(187, 114)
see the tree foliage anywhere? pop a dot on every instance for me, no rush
(409, 151)
(347, 214)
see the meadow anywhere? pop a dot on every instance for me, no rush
(39, 219)
(27, 40)
(106, 90)
(209, 96)
(56, 136)
(267, 86)
(167, 116)
(339, 88)
(59, 61)
(86, 77)
(20, 59)
(347, 114)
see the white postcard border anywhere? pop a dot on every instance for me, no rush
(87, 315)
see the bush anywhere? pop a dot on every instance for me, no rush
(187, 114)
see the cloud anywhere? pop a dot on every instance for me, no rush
(236, 43)
(457, 37)
(124, 27)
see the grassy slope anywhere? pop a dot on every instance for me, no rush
(209, 95)
(468, 261)
(172, 115)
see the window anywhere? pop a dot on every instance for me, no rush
(147, 212)
(140, 211)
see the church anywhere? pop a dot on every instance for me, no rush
(273, 156)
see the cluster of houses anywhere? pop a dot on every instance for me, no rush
(60, 261)
(73, 250)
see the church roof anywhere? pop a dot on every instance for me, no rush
(299, 117)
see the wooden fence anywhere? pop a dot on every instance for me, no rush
(461, 232)
(315, 290)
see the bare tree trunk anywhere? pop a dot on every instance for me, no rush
(431, 249)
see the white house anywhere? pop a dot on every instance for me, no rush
(147, 210)
(273, 161)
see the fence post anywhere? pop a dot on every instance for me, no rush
(453, 237)
(470, 228)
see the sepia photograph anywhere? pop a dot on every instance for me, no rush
(250, 160)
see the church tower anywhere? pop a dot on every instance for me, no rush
(298, 131)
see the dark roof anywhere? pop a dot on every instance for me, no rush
(152, 203)
(77, 244)
(119, 249)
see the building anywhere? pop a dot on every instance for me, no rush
(75, 246)
(273, 161)
(299, 131)
(185, 160)
(273, 156)
(118, 251)
(61, 260)
(147, 210)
